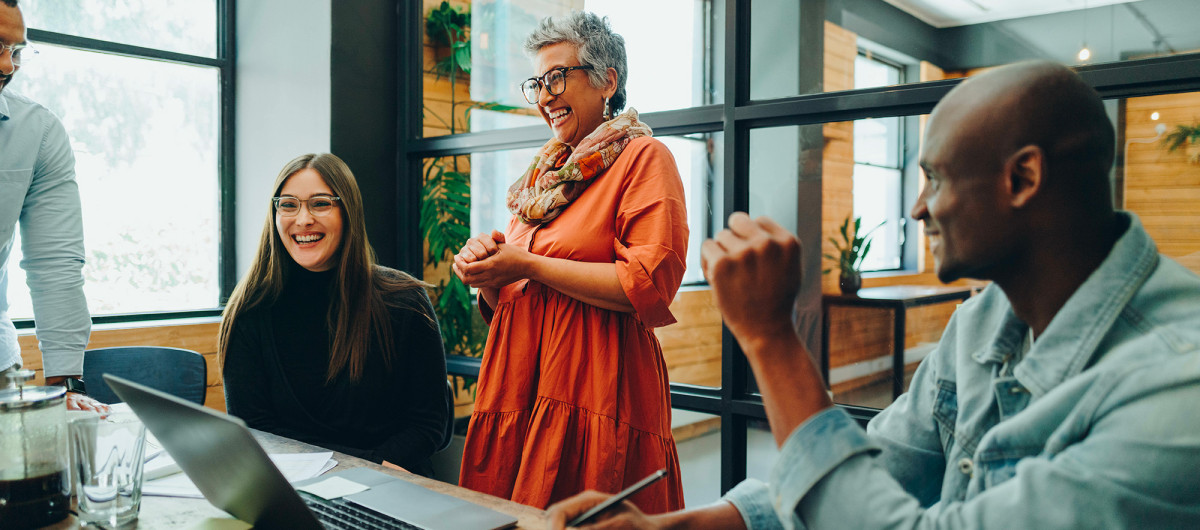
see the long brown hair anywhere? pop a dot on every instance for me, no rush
(359, 310)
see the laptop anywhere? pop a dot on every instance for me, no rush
(233, 472)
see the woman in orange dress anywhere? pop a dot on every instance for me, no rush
(573, 391)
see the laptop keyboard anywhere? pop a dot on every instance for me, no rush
(341, 514)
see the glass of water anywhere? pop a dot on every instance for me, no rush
(107, 459)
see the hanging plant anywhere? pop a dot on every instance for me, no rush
(1186, 137)
(445, 223)
(446, 193)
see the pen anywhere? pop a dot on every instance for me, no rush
(616, 499)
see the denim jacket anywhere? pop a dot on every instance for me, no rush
(1096, 426)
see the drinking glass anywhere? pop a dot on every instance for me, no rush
(107, 459)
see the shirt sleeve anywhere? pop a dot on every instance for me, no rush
(752, 498)
(652, 232)
(52, 242)
(1122, 471)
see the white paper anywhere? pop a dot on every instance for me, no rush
(160, 467)
(328, 465)
(295, 467)
(333, 487)
(120, 408)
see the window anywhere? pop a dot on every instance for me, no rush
(472, 64)
(477, 92)
(802, 139)
(879, 170)
(142, 89)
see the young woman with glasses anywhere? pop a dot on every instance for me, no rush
(319, 343)
(573, 391)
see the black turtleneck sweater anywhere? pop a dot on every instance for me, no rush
(277, 361)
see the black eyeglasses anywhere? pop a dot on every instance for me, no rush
(318, 205)
(555, 81)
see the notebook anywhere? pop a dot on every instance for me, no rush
(233, 472)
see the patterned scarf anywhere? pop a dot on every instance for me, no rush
(559, 175)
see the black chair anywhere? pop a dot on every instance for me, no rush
(176, 371)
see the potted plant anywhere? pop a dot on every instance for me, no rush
(852, 249)
(1186, 137)
(446, 196)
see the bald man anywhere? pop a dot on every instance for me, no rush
(1062, 396)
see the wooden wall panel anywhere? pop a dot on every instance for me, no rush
(198, 337)
(865, 333)
(858, 334)
(841, 48)
(692, 346)
(837, 161)
(1161, 187)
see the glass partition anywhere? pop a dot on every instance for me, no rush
(479, 182)
(698, 441)
(761, 450)
(475, 58)
(928, 41)
(1158, 170)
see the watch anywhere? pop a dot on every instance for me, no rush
(75, 385)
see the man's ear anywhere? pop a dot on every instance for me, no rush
(1026, 170)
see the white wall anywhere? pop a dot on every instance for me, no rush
(283, 101)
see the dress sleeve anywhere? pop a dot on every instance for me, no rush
(652, 232)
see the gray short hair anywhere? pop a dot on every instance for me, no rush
(596, 44)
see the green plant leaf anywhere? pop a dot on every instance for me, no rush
(462, 56)
(854, 247)
(862, 255)
(1183, 134)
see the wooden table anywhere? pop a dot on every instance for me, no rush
(898, 298)
(173, 512)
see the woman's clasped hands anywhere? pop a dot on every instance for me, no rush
(486, 261)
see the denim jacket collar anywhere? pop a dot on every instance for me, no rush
(1083, 321)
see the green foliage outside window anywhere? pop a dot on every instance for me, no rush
(446, 194)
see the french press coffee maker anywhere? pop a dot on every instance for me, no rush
(34, 486)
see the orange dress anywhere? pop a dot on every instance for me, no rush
(573, 397)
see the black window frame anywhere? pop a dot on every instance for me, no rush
(225, 62)
(736, 401)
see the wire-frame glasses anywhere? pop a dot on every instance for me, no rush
(318, 205)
